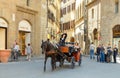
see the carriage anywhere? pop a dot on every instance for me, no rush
(65, 51)
(71, 55)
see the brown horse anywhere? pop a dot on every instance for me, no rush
(50, 51)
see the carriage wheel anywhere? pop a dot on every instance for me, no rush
(72, 62)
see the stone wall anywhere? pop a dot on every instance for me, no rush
(13, 11)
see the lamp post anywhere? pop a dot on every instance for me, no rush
(86, 38)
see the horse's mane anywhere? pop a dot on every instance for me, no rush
(49, 46)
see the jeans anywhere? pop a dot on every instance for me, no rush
(102, 57)
(92, 54)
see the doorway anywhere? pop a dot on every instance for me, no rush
(24, 39)
(116, 36)
(24, 35)
(3, 36)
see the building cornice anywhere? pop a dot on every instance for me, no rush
(91, 3)
(26, 9)
(54, 6)
(79, 20)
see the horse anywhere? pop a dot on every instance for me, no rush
(50, 51)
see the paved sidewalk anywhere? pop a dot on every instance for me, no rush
(23, 58)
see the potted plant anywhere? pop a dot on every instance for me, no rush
(4, 55)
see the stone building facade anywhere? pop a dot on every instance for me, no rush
(105, 24)
(53, 19)
(79, 23)
(68, 18)
(20, 22)
(110, 25)
(25, 21)
(50, 20)
(94, 18)
(103, 21)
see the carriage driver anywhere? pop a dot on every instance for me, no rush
(62, 39)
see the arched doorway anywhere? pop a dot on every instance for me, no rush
(116, 36)
(3, 33)
(24, 35)
(95, 37)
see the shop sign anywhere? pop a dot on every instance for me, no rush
(24, 26)
(3, 23)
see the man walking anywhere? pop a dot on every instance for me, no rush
(102, 54)
(115, 52)
(98, 53)
(92, 47)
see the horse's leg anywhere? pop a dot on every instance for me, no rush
(45, 63)
(55, 60)
(53, 64)
(61, 61)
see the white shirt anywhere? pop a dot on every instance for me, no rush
(17, 48)
(92, 47)
(29, 49)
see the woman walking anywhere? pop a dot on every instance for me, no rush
(29, 52)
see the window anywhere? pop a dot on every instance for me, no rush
(64, 1)
(61, 13)
(28, 2)
(68, 9)
(73, 6)
(80, 10)
(116, 7)
(64, 10)
(92, 13)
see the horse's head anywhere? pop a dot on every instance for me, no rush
(44, 47)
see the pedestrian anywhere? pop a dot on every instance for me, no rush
(102, 54)
(29, 51)
(16, 51)
(92, 47)
(76, 47)
(115, 52)
(108, 55)
(98, 52)
(42, 46)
